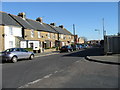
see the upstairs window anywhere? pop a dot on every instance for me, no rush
(61, 36)
(64, 37)
(32, 33)
(10, 30)
(48, 35)
(54, 36)
(39, 34)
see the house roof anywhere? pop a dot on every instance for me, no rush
(50, 28)
(9, 19)
(61, 30)
(5, 19)
(38, 25)
(22, 22)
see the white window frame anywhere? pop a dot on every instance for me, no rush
(39, 36)
(32, 33)
(10, 31)
(48, 35)
(11, 44)
(64, 37)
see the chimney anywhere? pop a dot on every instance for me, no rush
(23, 15)
(61, 26)
(39, 19)
(53, 24)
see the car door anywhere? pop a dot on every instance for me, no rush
(25, 53)
(17, 52)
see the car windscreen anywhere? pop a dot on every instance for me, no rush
(9, 50)
(64, 46)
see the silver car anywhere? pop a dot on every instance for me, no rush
(13, 54)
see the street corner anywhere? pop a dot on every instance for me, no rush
(112, 59)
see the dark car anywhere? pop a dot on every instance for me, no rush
(75, 47)
(13, 54)
(80, 46)
(66, 49)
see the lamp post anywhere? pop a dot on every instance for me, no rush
(74, 33)
(98, 33)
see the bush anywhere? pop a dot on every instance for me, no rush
(29, 49)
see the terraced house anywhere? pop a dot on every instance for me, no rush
(35, 33)
(9, 31)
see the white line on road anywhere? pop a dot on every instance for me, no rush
(47, 76)
(47, 55)
(33, 82)
(55, 71)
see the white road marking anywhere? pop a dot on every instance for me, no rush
(77, 61)
(47, 76)
(33, 82)
(55, 71)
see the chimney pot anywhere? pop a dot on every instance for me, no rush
(53, 24)
(23, 15)
(39, 19)
(61, 26)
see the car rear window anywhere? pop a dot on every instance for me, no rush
(9, 50)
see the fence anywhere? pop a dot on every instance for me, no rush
(112, 44)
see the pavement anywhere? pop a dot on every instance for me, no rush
(46, 53)
(107, 59)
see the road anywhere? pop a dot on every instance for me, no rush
(64, 70)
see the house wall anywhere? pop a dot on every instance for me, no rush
(1, 38)
(43, 37)
(16, 31)
(66, 39)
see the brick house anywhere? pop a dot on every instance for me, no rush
(36, 34)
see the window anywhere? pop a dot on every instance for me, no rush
(53, 35)
(39, 34)
(32, 33)
(48, 35)
(64, 37)
(61, 36)
(23, 50)
(10, 30)
(11, 44)
(69, 37)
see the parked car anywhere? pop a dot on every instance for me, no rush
(13, 54)
(75, 47)
(80, 46)
(66, 49)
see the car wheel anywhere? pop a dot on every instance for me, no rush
(31, 57)
(68, 50)
(14, 59)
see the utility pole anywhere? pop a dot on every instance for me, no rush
(104, 32)
(74, 32)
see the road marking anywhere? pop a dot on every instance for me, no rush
(47, 76)
(77, 61)
(55, 71)
(33, 82)
(61, 70)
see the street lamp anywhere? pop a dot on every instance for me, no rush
(98, 32)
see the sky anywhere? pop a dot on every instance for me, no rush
(87, 16)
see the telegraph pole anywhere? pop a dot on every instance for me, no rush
(104, 32)
(74, 32)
